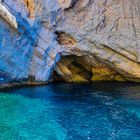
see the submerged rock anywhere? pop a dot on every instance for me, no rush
(70, 40)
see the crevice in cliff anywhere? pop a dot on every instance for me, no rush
(31, 7)
(65, 39)
(84, 69)
(70, 69)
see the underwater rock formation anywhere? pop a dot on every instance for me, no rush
(69, 40)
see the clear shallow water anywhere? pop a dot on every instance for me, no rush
(101, 111)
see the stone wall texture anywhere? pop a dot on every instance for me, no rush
(69, 40)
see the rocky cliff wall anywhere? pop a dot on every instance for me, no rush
(69, 40)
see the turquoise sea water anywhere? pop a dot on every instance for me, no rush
(101, 111)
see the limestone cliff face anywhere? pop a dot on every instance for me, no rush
(69, 40)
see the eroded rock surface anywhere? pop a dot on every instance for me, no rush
(72, 40)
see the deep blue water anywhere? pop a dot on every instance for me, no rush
(101, 111)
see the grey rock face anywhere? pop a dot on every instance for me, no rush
(108, 30)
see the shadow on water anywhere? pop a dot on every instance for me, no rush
(128, 90)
